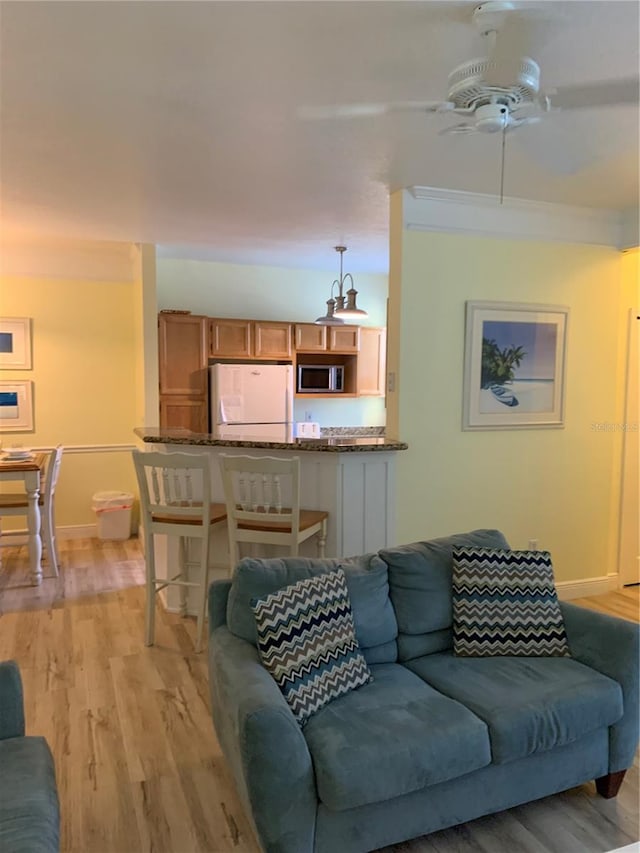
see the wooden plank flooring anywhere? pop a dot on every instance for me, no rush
(138, 764)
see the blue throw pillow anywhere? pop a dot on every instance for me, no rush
(505, 603)
(307, 641)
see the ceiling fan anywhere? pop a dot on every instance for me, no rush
(499, 92)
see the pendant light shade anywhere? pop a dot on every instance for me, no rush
(337, 310)
(330, 318)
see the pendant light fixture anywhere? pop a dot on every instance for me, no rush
(337, 311)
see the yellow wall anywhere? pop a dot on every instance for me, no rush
(559, 486)
(84, 363)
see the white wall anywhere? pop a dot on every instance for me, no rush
(273, 293)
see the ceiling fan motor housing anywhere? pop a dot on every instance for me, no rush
(468, 89)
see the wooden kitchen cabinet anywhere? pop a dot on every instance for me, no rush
(344, 338)
(184, 413)
(254, 339)
(372, 358)
(311, 338)
(182, 347)
(271, 340)
(230, 338)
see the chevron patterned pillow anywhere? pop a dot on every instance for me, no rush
(307, 641)
(505, 603)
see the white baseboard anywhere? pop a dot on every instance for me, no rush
(586, 587)
(71, 531)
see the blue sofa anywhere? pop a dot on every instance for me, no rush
(29, 810)
(433, 740)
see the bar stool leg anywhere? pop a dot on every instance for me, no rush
(204, 577)
(322, 538)
(234, 553)
(150, 614)
(184, 573)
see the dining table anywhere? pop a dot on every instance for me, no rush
(30, 472)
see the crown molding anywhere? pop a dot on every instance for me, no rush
(434, 209)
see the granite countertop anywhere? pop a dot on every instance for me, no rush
(339, 443)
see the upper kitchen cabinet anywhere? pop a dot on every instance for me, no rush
(372, 357)
(182, 345)
(272, 340)
(230, 338)
(344, 338)
(311, 338)
(339, 339)
(255, 339)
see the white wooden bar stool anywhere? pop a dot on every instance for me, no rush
(175, 499)
(18, 504)
(254, 489)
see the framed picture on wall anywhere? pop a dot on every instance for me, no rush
(15, 343)
(16, 406)
(514, 365)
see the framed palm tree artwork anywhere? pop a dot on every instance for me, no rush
(514, 365)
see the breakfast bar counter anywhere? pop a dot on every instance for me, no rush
(333, 443)
(352, 477)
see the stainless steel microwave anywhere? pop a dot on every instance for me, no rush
(320, 379)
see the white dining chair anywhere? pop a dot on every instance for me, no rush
(12, 504)
(254, 489)
(175, 500)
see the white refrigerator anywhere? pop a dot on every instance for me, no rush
(252, 401)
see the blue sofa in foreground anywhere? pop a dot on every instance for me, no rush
(29, 810)
(434, 740)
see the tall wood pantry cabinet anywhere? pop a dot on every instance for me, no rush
(183, 350)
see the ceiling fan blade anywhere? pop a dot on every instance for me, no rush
(366, 110)
(604, 93)
(458, 129)
(519, 122)
(551, 145)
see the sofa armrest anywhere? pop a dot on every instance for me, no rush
(263, 744)
(11, 702)
(610, 646)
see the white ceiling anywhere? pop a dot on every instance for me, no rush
(177, 123)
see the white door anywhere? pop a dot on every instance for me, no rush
(629, 563)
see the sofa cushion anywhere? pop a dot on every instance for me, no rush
(529, 704)
(391, 737)
(420, 588)
(29, 815)
(307, 642)
(505, 603)
(367, 582)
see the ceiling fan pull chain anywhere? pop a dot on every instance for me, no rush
(504, 138)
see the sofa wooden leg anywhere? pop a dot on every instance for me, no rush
(609, 785)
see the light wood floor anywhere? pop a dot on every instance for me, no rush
(138, 764)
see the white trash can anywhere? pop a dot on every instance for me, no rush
(113, 513)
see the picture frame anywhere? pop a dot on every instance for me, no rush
(514, 365)
(15, 343)
(16, 406)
